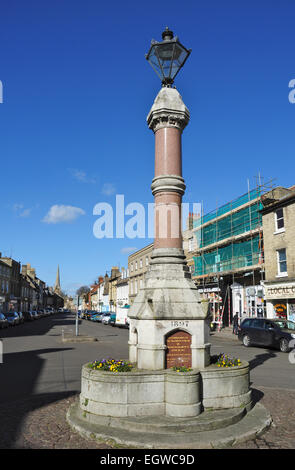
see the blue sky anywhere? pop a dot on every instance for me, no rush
(76, 93)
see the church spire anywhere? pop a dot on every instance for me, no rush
(57, 287)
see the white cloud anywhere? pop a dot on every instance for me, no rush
(25, 213)
(62, 214)
(18, 207)
(21, 211)
(108, 189)
(81, 176)
(128, 249)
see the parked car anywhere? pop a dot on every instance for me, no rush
(42, 313)
(36, 315)
(112, 321)
(3, 321)
(106, 318)
(12, 318)
(28, 316)
(50, 310)
(21, 317)
(270, 333)
(96, 317)
(90, 314)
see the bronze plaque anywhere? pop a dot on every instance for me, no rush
(178, 352)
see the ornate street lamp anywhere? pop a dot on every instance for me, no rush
(167, 57)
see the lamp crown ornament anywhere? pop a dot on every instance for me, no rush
(167, 57)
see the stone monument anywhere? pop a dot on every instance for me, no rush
(169, 302)
(154, 405)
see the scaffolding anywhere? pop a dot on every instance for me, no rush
(230, 243)
(230, 237)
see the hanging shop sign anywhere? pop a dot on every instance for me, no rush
(280, 291)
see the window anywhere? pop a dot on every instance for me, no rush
(131, 266)
(190, 244)
(146, 260)
(282, 262)
(135, 265)
(140, 262)
(279, 220)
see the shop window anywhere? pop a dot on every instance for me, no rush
(282, 262)
(279, 220)
(281, 310)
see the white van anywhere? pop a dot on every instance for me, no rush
(122, 316)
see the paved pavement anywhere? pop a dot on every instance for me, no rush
(36, 419)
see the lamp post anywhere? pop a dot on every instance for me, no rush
(167, 57)
(168, 118)
(167, 317)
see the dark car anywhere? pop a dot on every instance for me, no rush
(3, 321)
(270, 333)
(12, 318)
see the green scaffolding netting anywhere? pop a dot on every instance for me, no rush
(233, 256)
(228, 207)
(235, 223)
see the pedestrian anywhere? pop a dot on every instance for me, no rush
(235, 323)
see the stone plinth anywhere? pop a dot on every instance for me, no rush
(168, 302)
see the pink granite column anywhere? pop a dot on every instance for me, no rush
(167, 119)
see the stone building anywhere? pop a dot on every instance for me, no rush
(14, 283)
(278, 217)
(138, 263)
(5, 274)
(123, 289)
(113, 279)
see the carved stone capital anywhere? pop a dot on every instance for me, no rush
(168, 110)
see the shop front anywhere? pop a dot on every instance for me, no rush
(213, 296)
(280, 300)
(248, 301)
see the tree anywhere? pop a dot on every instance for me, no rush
(82, 291)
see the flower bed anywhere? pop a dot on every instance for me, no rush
(181, 369)
(111, 365)
(223, 360)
